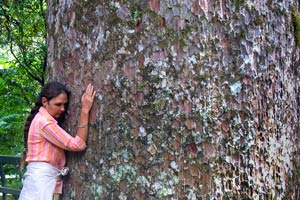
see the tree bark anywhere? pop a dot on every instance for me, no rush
(196, 99)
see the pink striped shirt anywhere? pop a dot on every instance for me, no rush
(47, 142)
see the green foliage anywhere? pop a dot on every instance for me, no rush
(296, 25)
(17, 92)
(23, 35)
(135, 15)
(238, 3)
(12, 173)
(22, 67)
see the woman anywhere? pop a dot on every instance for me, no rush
(46, 141)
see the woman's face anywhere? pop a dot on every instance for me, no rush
(56, 106)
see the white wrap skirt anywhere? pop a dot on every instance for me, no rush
(39, 181)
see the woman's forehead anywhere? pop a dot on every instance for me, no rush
(62, 97)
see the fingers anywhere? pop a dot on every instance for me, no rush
(90, 90)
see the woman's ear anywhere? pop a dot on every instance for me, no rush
(44, 101)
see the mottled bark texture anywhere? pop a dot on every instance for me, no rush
(196, 99)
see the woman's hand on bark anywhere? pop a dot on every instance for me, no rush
(87, 98)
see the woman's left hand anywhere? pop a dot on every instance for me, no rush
(87, 98)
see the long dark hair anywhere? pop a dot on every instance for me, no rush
(49, 91)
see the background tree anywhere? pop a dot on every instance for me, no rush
(22, 67)
(196, 99)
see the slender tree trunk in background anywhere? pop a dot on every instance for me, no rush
(196, 99)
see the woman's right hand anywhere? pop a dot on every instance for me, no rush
(87, 98)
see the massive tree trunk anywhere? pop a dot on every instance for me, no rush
(196, 99)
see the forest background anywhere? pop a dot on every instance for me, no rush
(22, 67)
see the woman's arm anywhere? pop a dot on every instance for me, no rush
(87, 100)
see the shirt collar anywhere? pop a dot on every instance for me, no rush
(46, 114)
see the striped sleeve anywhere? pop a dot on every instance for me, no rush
(59, 137)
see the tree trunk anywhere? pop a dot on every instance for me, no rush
(196, 99)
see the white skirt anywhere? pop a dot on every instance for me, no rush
(39, 181)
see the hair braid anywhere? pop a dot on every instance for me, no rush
(29, 119)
